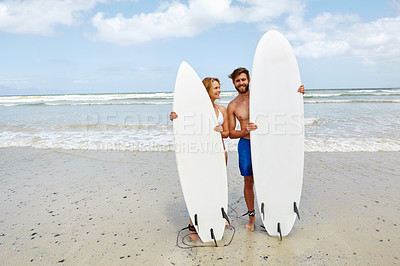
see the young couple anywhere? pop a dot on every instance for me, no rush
(238, 109)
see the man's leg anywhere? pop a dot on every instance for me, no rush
(249, 198)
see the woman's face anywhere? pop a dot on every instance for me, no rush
(215, 90)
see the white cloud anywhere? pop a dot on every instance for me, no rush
(345, 35)
(325, 35)
(177, 19)
(81, 81)
(170, 20)
(40, 16)
(13, 81)
(396, 4)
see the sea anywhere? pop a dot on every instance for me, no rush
(336, 120)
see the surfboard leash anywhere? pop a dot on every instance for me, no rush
(189, 246)
(250, 213)
(240, 217)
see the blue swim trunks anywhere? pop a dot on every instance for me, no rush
(245, 166)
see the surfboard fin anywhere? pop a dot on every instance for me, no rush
(262, 211)
(213, 237)
(279, 231)
(196, 223)
(225, 216)
(296, 210)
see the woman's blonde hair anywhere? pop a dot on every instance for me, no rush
(207, 82)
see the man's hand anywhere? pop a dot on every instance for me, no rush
(173, 116)
(250, 127)
(301, 89)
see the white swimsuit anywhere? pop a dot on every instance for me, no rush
(220, 117)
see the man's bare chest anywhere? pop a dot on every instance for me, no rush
(242, 112)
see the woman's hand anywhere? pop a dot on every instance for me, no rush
(219, 128)
(173, 116)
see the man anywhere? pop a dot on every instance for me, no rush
(238, 108)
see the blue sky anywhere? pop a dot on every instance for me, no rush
(118, 46)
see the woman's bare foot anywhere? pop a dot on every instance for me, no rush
(193, 236)
(192, 232)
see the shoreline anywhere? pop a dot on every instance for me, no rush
(107, 208)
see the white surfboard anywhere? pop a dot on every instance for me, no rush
(277, 146)
(199, 155)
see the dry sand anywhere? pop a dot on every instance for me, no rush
(112, 208)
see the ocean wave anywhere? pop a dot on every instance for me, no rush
(344, 95)
(163, 141)
(134, 123)
(89, 140)
(166, 98)
(9, 105)
(225, 103)
(123, 127)
(390, 91)
(354, 101)
(109, 103)
(312, 121)
(20, 104)
(330, 144)
(86, 103)
(82, 98)
(228, 94)
(321, 95)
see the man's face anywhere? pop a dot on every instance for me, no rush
(241, 83)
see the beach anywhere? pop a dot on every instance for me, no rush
(78, 207)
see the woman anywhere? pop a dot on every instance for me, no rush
(213, 87)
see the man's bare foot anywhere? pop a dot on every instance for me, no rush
(227, 225)
(250, 225)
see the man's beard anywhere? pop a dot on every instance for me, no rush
(246, 90)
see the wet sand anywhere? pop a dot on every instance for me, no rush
(126, 208)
